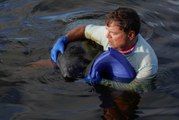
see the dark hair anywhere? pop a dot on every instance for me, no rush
(127, 19)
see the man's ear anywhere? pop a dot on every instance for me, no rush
(131, 35)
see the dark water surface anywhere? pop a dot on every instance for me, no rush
(28, 29)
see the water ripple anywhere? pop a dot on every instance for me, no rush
(70, 16)
(159, 111)
(173, 2)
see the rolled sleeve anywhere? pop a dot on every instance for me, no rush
(97, 34)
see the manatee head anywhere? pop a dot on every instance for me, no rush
(76, 58)
(78, 55)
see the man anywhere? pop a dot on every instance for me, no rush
(121, 32)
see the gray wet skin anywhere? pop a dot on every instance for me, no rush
(76, 59)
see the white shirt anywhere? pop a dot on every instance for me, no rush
(142, 58)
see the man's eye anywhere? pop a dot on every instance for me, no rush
(114, 33)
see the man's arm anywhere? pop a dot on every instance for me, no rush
(143, 81)
(59, 46)
(76, 33)
(137, 85)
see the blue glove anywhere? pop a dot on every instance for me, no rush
(111, 65)
(93, 79)
(58, 47)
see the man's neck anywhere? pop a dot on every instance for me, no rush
(130, 48)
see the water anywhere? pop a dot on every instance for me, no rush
(30, 89)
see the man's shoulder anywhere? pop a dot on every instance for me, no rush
(92, 27)
(143, 55)
(143, 46)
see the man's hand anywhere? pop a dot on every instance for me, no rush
(94, 78)
(58, 47)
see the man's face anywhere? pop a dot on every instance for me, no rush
(117, 38)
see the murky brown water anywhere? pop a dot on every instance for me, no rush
(30, 89)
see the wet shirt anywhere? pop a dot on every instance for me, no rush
(142, 58)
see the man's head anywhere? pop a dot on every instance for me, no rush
(123, 24)
(126, 18)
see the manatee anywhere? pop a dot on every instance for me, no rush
(77, 57)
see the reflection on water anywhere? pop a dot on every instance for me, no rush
(118, 105)
(31, 89)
